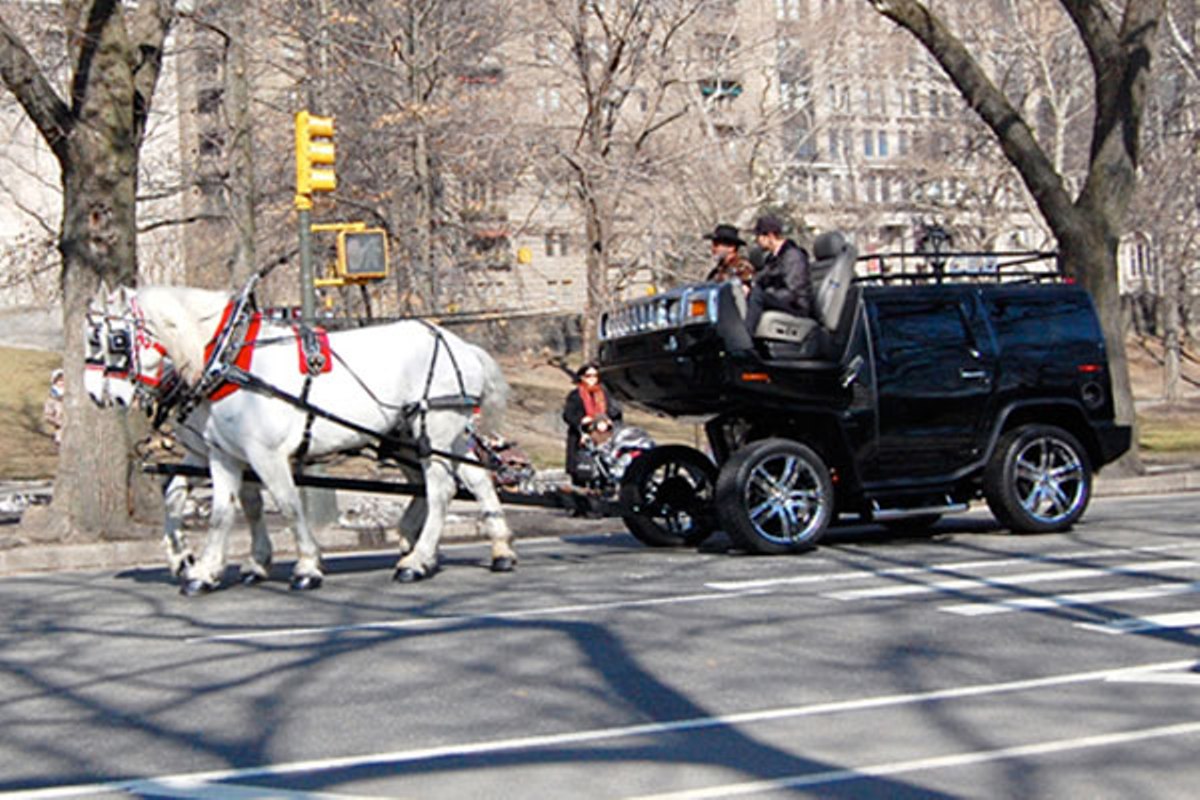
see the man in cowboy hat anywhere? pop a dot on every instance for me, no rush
(731, 264)
(784, 283)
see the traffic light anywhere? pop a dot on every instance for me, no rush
(314, 157)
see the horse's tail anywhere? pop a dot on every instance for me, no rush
(493, 400)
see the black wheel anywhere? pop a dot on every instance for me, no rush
(668, 494)
(1039, 480)
(775, 496)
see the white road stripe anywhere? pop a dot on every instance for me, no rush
(1022, 579)
(399, 757)
(1078, 599)
(936, 762)
(1158, 622)
(450, 621)
(935, 569)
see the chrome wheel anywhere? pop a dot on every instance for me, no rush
(784, 498)
(1049, 480)
(775, 496)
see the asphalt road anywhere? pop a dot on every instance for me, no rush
(965, 662)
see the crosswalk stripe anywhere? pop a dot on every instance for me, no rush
(1079, 599)
(1157, 622)
(942, 568)
(1023, 579)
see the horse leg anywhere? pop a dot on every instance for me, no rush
(479, 483)
(421, 561)
(179, 554)
(205, 575)
(276, 475)
(413, 518)
(258, 567)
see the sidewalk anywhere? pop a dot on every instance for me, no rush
(364, 530)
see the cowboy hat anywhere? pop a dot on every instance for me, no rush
(725, 233)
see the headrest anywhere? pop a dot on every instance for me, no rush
(829, 245)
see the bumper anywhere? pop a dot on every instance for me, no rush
(1114, 441)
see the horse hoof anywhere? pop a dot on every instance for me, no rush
(406, 575)
(304, 583)
(504, 564)
(252, 579)
(181, 568)
(196, 587)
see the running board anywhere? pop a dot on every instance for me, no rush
(889, 514)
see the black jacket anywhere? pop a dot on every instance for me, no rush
(786, 281)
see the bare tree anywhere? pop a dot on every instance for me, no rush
(1088, 225)
(95, 131)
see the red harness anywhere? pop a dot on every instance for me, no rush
(245, 350)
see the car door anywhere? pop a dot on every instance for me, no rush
(934, 380)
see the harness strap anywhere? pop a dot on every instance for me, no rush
(306, 440)
(248, 381)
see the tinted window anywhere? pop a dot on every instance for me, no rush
(918, 329)
(1042, 322)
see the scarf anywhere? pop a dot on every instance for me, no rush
(595, 403)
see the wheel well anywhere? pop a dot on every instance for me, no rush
(820, 431)
(1061, 415)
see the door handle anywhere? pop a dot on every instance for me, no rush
(973, 374)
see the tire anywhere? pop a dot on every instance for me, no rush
(775, 496)
(668, 493)
(1039, 480)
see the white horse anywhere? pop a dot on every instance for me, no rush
(407, 380)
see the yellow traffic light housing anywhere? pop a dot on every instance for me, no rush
(362, 255)
(314, 157)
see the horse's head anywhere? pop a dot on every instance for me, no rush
(125, 364)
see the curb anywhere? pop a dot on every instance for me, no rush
(461, 526)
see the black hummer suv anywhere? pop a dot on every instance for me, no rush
(908, 397)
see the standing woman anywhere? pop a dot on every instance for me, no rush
(588, 408)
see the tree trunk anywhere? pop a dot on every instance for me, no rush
(1172, 333)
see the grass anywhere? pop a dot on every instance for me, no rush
(27, 450)
(1170, 434)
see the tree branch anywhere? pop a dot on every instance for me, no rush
(22, 76)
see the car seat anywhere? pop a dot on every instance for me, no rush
(789, 336)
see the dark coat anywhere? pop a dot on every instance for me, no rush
(573, 415)
(785, 281)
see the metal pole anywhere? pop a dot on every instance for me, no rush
(308, 300)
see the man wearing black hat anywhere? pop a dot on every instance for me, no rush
(731, 265)
(783, 283)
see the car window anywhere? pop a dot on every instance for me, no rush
(918, 329)
(1041, 322)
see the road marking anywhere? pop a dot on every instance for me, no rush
(400, 757)
(935, 762)
(1175, 676)
(451, 621)
(1063, 600)
(1023, 579)
(952, 567)
(1158, 622)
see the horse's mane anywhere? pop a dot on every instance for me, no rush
(183, 320)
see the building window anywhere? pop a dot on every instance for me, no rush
(882, 148)
(903, 143)
(885, 189)
(869, 144)
(833, 145)
(556, 243)
(914, 103)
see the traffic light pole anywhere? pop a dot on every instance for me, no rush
(308, 299)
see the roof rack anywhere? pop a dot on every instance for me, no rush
(967, 266)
